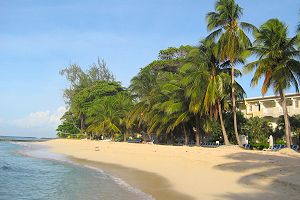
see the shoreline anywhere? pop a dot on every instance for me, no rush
(143, 181)
(171, 172)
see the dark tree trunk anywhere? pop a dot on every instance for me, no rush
(82, 123)
(197, 135)
(186, 135)
(225, 137)
(234, 106)
(125, 134)
(287, 126)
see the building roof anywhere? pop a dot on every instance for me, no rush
(272, 97)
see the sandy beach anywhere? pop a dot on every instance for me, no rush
(180, 172)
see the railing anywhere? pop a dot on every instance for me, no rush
(277, 111)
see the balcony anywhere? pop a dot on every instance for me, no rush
(277, 111)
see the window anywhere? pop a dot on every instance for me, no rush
(296, 103)
(250, 107)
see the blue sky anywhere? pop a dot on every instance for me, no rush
(38, 38)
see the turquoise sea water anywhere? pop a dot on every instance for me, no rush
(48, 176)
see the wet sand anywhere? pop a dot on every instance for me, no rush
(150, 183)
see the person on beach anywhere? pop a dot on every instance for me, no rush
(271, 142)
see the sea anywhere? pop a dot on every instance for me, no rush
(30, 172)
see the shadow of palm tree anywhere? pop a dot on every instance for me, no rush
(273, 176)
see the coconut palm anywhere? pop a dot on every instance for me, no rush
(232, 40)
(106, 115)
(209, 70)
(195, 77)
(149, 109)
(278, 62)
(172, 104)
(218, 82)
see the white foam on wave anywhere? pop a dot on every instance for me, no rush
(21, 143)
(123, 184)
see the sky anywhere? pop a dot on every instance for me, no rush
(39, 38)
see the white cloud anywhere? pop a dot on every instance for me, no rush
(41, 119)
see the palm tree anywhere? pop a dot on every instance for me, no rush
(172, 104)
(218, 81)
(195, 77)
(232, 40)
(216, 78)
(106, 115)
(278, 62)
(155, 108)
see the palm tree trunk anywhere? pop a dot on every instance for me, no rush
(234, 106)
(286, 119)
(186, 136)
(125, 134)
(226, 141)
(197, 136)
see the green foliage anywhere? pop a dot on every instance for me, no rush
(294, 123)
(97, 104)
(280, 141)
(68, 126)
(260, 145)
(278, 62)
(119, 137)
(278, 57)
(228, 30)
(228, 121)
(258, 130)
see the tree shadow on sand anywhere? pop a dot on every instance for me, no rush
(274, 176)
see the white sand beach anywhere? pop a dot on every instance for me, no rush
(193, 172)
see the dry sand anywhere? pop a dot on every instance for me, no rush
(172, 172)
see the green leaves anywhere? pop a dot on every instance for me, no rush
(278, 57)
(227, 31)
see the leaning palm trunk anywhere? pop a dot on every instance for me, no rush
(286, 120)
(225, 137)
(234, 106)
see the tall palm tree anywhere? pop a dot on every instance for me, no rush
(195, 77)
(218, 81)
(232, 40)
(215, 75)
(278, 62)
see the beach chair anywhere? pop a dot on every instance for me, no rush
(135, 141)
(275, 147)
(295, 147)
(246, 146)
(278, 147)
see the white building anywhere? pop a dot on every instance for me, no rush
(270, 107)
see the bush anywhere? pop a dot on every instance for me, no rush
(119, 137)
(258, 130)
(279, 141)
(260, 146)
